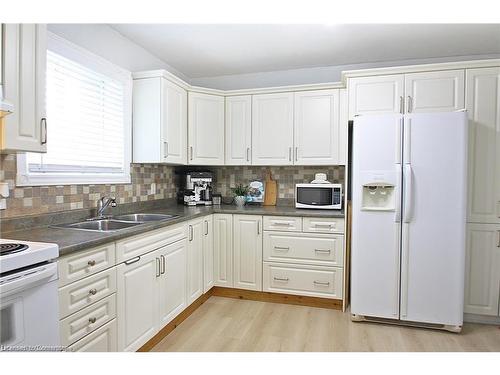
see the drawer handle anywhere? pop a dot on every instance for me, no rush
(91, 263)
(322, 251)
(93, 292)
(282, 248)
(92, 320)
(326, 283)
(132, 261)
(321, 225)
(285, 279)
(287, 223)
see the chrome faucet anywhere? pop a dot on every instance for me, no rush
(103, 203)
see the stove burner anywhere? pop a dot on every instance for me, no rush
(11, 248)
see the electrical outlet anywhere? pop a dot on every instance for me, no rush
(153, 188)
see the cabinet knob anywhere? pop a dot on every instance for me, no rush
(91, 263)
(93, 291)
(92, 320)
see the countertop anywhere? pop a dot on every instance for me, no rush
(71, 240)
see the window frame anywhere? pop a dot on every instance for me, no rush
(92, 61)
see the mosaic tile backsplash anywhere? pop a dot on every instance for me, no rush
(36, 200)
(46, 199)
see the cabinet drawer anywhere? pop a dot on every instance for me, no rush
(283, 223)
(87, 320)
(77, 266)
(311, 281)
(103, 339)
(323, 225)
(144, 243)
(304, 248)
(85, 292)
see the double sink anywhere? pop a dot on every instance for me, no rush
(116, 223)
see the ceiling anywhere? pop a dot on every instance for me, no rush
(209, 50)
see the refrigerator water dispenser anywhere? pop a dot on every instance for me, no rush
(378, 197)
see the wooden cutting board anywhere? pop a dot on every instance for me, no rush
(270, 191)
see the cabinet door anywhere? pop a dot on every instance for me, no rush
(195, 260)
(137, 300)
(173, 281)
(441, 91)
(482, 269)
(174, 123)
(483, 108)
(208, 253)
(375, 95)
(317, 131)
(247, 252)
(272, 129)
(238, 130)
(223, 250)
(206, 129)
(25, 58)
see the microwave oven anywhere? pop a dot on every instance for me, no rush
(320, 196)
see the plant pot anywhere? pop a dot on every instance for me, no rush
(239, 200)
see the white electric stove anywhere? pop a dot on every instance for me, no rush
(29, 306)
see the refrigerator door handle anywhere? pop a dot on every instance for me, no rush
(408, 193)
(399, 176)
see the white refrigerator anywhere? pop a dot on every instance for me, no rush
(408, 218)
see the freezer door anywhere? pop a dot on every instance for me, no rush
(434, 215)
(376, 216)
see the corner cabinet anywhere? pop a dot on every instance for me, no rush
(247, 252)
(272, 129)
(483, 108)
(24, 64)
(205, 129)
(317, 136)
(238, 130)
(159, 121)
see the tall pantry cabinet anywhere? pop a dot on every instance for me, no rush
(482, 273)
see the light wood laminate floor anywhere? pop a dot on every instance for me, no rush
(225, 324)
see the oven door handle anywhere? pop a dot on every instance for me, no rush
(28, 279)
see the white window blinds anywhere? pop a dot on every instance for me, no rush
(86, 112)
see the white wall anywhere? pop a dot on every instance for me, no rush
(113, 46)
(311, 75)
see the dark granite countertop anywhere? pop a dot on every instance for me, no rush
(71, 240)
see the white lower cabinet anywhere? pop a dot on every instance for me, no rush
(173, 283)
(195, 260)
(102, 339)
(223, 250)
(247, 249)
(137, 300)
(208, 253)
(314, 281)
(482, 269)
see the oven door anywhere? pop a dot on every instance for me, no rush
(314, 197)
(29, 310)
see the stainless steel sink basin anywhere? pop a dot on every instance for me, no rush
(142, 218)
(104, 225)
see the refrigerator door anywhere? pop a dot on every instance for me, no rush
(376, 217)
(434, 216)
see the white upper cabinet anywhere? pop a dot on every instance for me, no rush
(247, 252)
(24, 64)
(272, 129)
(441, 91)
(375, 95)
(159, 121)
(483, 108)
(482, 269)
(316, 127)
(239, 130)
(205, 129)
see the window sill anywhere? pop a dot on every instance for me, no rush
(45, 179)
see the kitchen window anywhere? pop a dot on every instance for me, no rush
(88, 103)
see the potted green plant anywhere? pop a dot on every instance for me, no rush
(240, 192)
